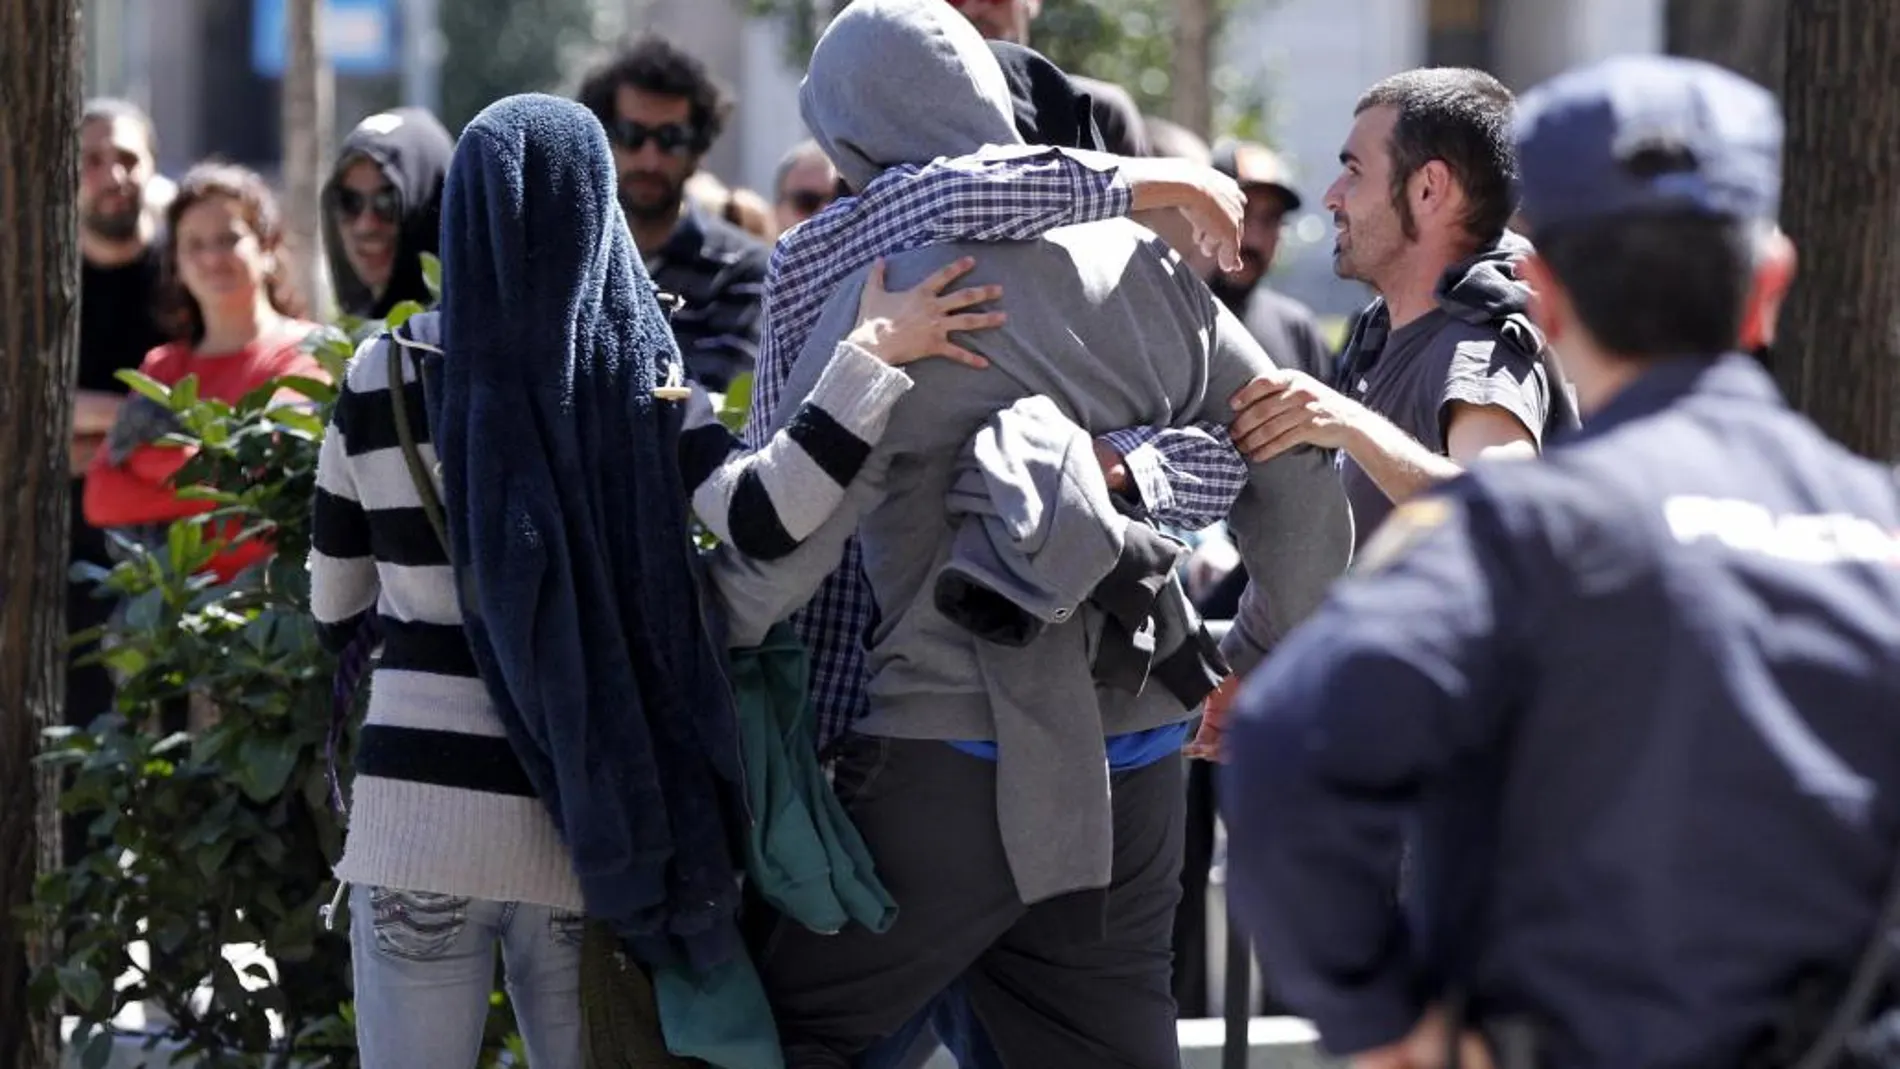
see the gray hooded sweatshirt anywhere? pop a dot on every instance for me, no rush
(1105, 321)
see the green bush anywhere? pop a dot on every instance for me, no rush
(202, 840)
(223, 835)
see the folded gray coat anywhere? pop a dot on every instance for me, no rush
(1041, 544)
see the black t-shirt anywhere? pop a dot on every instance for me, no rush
(117, 321)
(118, 325)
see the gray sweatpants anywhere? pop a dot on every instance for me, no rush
(1051, 989)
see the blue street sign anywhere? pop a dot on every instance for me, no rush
(359, 36)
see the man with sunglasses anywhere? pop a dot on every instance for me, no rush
(662, 110)
(382, 209)
(806, 182)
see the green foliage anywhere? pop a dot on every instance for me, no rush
(1128, 42)
(499, 47)
(736, 403)
(221, 835)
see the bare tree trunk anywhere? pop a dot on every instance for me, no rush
(1193, 103)
(39, 337)
(1746, 36)
(306, 121)
(1839, 354)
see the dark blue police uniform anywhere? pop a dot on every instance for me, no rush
(1635, 706)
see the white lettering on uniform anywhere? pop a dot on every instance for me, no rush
(1811, 538)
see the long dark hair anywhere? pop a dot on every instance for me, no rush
(178, 310)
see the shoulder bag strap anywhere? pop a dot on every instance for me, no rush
(405, 435)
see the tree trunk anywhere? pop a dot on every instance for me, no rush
(39, 325)
(1193, 103)
(1838, 356)
(1746, 36)
(306, 120)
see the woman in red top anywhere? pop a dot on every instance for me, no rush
(238, 327)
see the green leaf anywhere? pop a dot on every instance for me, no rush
(316, 389)
(264, 768)
(143, 612)
(432, 275)
(146, 386)
(82, 985)
(211, 858)
(98, 1053)
(327, 337)
(307, 423)
(171, 934)
(402, 313)
(185, 547)
(209, 493)
(185, 393)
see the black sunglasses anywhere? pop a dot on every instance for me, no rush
(674, 138)
(349, 203)
(807, 201)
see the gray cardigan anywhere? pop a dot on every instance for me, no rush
(1106, 321)
(1040, 544)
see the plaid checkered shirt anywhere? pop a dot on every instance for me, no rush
(1187, 478)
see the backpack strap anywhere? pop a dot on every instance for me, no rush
(405, 434)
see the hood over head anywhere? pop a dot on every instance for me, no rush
(413, 148)
(1051, 108)
(903, 81)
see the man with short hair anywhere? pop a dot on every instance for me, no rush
(1633, 707)
(803, 184)
(1444, 367)
(662, 110)
(1123, 133)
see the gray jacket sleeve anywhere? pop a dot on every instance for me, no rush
(1291, 521)
(755, 593)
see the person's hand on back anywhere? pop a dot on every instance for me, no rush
(1211, 202)
(902, 328)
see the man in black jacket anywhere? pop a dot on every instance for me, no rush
(662, 110)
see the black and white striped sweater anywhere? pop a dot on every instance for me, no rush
(439, 802)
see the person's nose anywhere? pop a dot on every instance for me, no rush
(649, 157)
(1335, 199)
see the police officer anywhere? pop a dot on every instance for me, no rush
(1635, 705)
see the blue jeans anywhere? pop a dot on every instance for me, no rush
(956, 1027)
(425, 966)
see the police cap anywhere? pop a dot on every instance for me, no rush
(1647, 135)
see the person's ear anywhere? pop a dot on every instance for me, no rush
(1549, 304)
(1774, 274)
(1433, 191)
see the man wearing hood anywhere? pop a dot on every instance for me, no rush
(1059, 924)
(382, 209)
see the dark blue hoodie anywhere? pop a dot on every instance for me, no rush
(569, 524)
